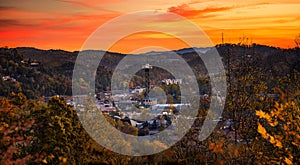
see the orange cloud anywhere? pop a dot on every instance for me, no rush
(186, 11)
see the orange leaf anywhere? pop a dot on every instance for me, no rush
(288, 161)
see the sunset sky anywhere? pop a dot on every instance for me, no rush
(66, 24)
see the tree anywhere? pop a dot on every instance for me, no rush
(17, 131)
(280, 126)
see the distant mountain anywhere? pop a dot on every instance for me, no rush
(192, 50)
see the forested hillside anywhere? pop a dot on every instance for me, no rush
(260, 123)
(39, 73)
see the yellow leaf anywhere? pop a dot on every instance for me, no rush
(272, 140)
(288, 161)
(268, 117)
(273, 124)
(275, 112)
(44, 161)
(64, 160)
(260, 114)
(262, 131)
(279, 107)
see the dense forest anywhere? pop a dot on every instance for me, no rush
(263, 102)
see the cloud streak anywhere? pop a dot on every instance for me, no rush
(186, 11)
(6, 8)
(91, 4)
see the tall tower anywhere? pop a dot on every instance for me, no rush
(147, 68)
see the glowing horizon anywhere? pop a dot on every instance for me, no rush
(65, 24)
